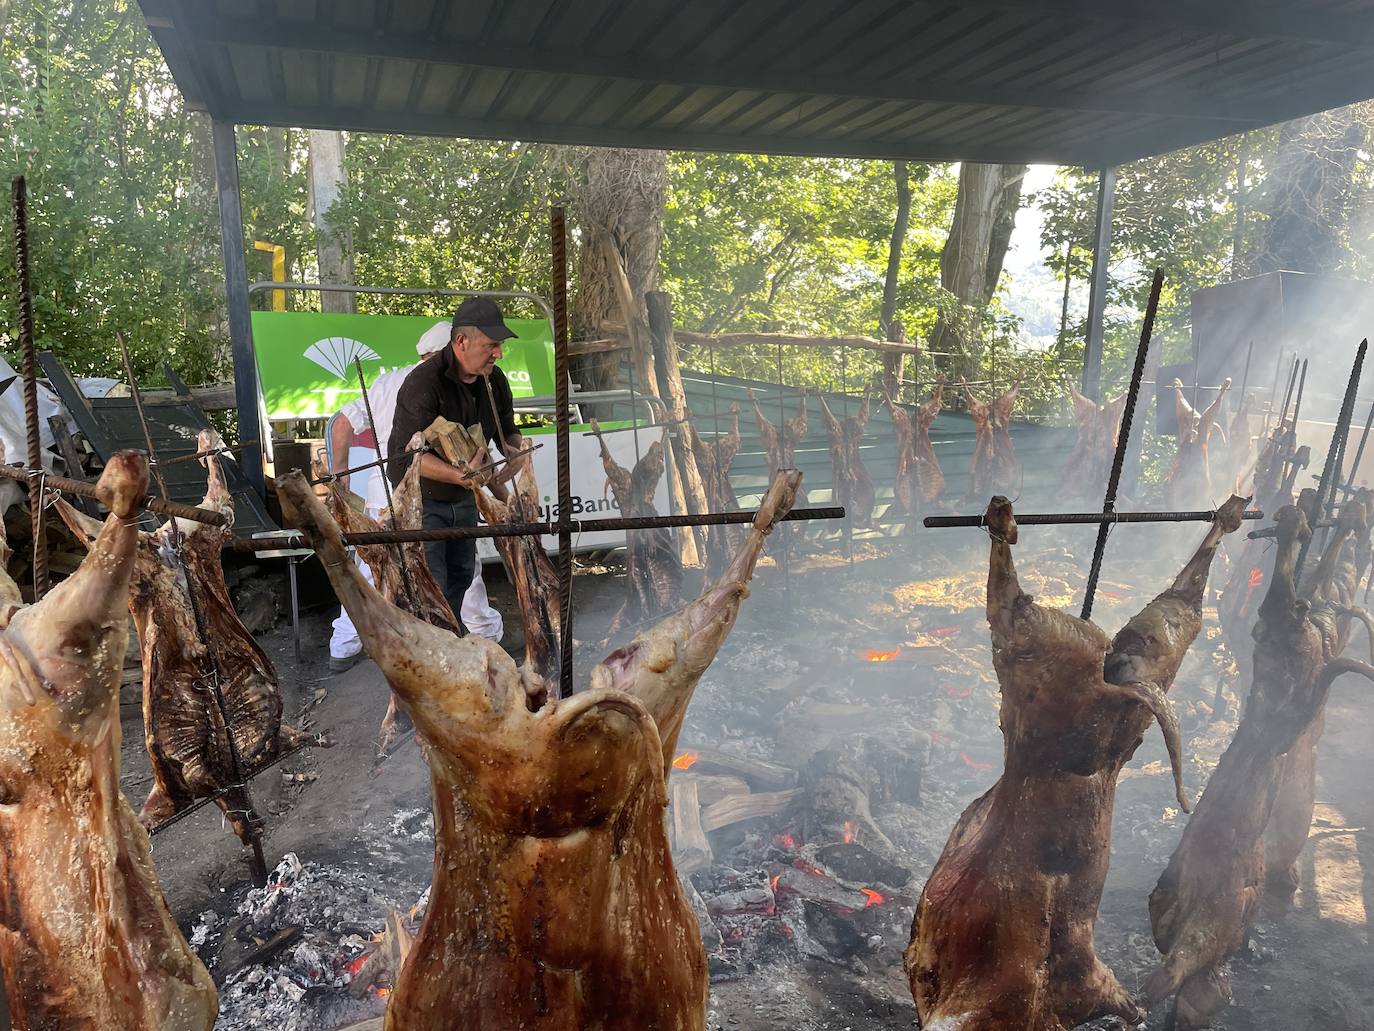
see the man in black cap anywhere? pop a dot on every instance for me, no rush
(464, 385)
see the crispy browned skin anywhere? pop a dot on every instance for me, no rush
(555, 904)
(995, 468)
(188, 745)
(1209, 893)
(1003, 933)
(653, 565)
(851, 484)
(1189, 481)
(86, 939)
(1098, 427)
(423, 599)
(535, 579)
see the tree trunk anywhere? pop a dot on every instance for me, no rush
(1309, 194)
(328, 175)
(894, 252)
(1061, 340)
(620, 196)
(971, 262)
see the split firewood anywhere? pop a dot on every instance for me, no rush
(385, 958)
(195, 651)
(1210, 892)
(553, 875)
(691, 847)
(737, 808)
(86, 938)
(458, 445)
(1025, 866)
(713, 788)
(653, 564)
(852, 486)
(760, 775)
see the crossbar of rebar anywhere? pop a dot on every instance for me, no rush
(87, 490)
(1074, 518)
(574, 526)
(201, 803)
(198, 455)
(331, 477)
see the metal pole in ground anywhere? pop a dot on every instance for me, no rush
(558, 246)
(29, 370)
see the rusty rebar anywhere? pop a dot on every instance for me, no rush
(423, 449)
(198, 455)
(1123, 440)
(87, 490)
(29, 371)
(142, 415)
(1079, 518)
(558, 256)
(1331, 470)
(575, 526)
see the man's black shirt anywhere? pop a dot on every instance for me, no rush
(433, 389)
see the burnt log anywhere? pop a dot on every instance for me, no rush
(1003, 932)
(691, 847)
(843, 781)
(760, 775)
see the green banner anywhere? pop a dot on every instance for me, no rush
(305, 359)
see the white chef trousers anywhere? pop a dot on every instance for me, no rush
(477, 615)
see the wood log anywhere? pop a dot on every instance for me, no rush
(691, 847)
(660, 309)
(747, 807)
(761, 776)
(713, 787)
(646, 382)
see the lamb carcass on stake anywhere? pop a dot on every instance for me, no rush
(423, 598)
(653, 564)
(714, 459)
(919, 480)
(555, 904)
(1003, 933)
(1188, 484)
(1098, 429)
(852, 486)
(995, 468)
(86, 938)
(191, 637)
(1210, 891)
(534, 578)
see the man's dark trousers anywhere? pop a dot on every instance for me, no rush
(452, 562)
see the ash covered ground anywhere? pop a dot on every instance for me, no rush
(892, 647)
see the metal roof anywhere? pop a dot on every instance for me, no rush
(1080, 82)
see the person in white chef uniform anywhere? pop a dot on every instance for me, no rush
(345, 647)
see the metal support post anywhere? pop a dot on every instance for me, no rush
(236, 295)
(1097, 291)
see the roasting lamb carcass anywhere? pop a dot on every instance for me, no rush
(1210, 891)
(1189, 481)
(852, 486)
(714, 459)
(653, 565)
(1003, 933)
(534, 578)
(995, 469)
(919, 481)
(555, 903)
(86, 938)
(191, 638)
(1098, 428)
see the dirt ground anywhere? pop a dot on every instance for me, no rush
(1310, 965)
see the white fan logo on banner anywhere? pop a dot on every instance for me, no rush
(337, 353)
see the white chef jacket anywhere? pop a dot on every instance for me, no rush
(382, 393)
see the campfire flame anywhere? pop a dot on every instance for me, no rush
(1256, 577)
(382, 993)
(874, 898)
(877, 655)
(355, 965)
(851, 832)
(686, 760)
(773, 882)
(785, 840)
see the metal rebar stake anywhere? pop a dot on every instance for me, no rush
(1123, 440)
(386, 489)
(558, 253)
(29, 370)
(1342, 430)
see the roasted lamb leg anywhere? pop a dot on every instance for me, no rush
(1003, 934)
(196, 652)
(86, 938)
(852, 486)
(555, 904)
(1211, 889)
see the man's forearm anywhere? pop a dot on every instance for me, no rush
(341, 440)
(432, 467)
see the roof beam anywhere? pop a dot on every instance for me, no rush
(1241, 19)
(1228, 116)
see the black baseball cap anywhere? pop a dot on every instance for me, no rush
(484, 314)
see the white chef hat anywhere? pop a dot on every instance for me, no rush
(436, 338)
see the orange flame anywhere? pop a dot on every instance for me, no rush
(381, 993)
(1256, 578)
(851, 831)
(355, 965)
(874, 898)
(773, 882)
(686, 760)
(785, 840)
(876, 655)
(972, 763)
